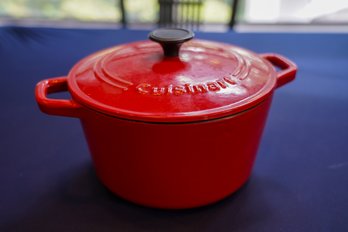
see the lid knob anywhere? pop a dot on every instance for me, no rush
(171, 39)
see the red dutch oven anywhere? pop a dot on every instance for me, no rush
(171, 126)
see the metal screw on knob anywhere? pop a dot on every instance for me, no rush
(171, 39)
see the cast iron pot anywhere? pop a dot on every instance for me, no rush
(168, 128)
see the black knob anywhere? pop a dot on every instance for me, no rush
(171, 39)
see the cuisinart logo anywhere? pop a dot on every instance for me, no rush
(212, 86)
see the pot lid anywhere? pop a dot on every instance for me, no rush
(171, 80)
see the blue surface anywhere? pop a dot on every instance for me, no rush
(299, 182)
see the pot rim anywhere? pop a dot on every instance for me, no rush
(226, 117)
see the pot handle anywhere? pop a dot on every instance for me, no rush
(287, 71)
(60, 107)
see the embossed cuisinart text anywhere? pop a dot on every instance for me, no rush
(212, 86)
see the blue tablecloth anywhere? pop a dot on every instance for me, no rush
(299, 182)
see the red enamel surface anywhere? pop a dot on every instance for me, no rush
(136, 81)
(175, 166)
